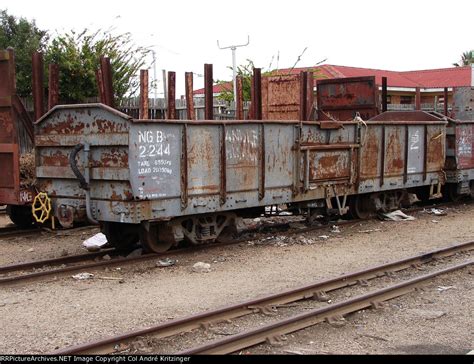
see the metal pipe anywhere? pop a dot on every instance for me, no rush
(165, 92)
(445, 101)
(234, 73)
(208, 94)
(384, 94)
(172, 96)
(84, 180)
(53, 86)
(191, 115)
(107, 81)
(257, 86)
(38, 84)
(91, 219)
(303, 84)
(155, 81)
(239, 102)
(309, 94)
(100, 85)
(143, 111)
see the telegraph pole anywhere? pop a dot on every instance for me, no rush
(155, 80)
(234, 66)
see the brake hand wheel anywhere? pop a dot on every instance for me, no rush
(41, 207)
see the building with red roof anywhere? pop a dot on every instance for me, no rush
(402, 85)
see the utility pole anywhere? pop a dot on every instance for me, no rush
(234, 66)
(155, 81)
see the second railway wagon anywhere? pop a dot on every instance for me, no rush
(460, 145)
(164, 181)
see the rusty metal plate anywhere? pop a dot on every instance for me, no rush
(464, 141)
(416, 142)
(436, 147)
(281, 97)
(463, 103)
(341, 98)
(408, 116)
(394, 151)
(242, 145)
(326, 166)
(371, 149)
(203, 160)
(279, 162)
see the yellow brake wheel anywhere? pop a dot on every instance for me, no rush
(41, 207)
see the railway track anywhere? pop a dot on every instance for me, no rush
(317, 290)
(89, 262)
(16, 273)
(14, 231)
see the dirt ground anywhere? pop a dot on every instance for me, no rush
(40, 317)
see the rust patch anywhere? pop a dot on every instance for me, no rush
(199, 188)
(464, 145)
(106, 126)
(328, 165)
(394, 154)
(115, 157)
(6, 125)
(370, 154)
(57, 159)
(435, 152)
(281, 97)
(68, 126)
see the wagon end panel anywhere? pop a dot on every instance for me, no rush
(281, 97)
(102, 160)
(342, 98)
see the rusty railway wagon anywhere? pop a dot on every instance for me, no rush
(16, 141)
(164, 181)
(460, 142)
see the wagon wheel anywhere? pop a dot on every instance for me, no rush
(153, 240)
(361, 207)
(450, 192)
(20, 215)
(120, 236)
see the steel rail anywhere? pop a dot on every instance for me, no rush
(61, 271)
(315, 290)
(253, 337)
(12, 280)
(13, 231)
(55, 261)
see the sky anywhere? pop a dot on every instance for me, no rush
(395, 35)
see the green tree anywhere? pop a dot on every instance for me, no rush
(467, 58)
(25, 37)
(246, 72)
(78, 55)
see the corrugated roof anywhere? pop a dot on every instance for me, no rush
(434, 78)
(442, 77)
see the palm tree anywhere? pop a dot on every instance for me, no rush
(467, 58)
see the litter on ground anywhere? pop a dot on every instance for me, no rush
(83, 276)
(397, 215)
(95, 242)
